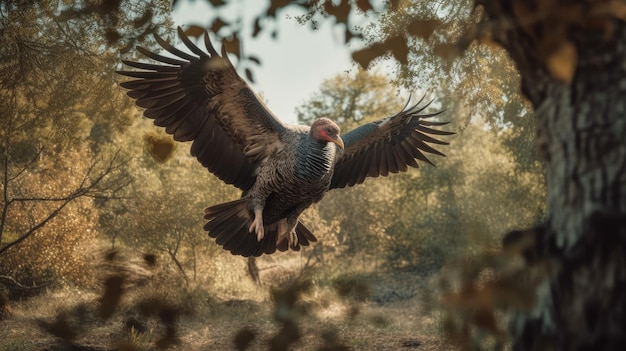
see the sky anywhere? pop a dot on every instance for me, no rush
(293, 65)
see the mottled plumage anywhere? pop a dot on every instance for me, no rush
(282, 169)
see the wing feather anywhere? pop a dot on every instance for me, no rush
(361, 171)
(412, 153)
(160, 58)
(143, 85)
(198, 96)
(374, 170)
(149, 74)
(418, 139)
(149, 66)
(195, 49)
(424, 129)
(171, 49)
(209, 45)
(384, 166)
(389, 145)
(163, 99)
(141, 94)
(402, 159)
(167, 115)
(391, 159)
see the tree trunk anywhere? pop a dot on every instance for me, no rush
(582, 136)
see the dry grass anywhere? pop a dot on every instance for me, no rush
(393, 326)
(393, 315)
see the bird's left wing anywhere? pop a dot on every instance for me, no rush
(199, 96)
(388, 145)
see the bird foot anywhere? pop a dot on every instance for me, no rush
(257, 225)
(293, 238)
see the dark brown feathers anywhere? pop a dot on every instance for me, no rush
(228, 223)
(389, 145)
(202, 99)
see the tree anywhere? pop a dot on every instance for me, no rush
(352, 99)
(570, 57)
(462, 207)
(58, 110)
(162, 211)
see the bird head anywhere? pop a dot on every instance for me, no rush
(323, 129)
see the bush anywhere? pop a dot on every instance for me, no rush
(61, 252)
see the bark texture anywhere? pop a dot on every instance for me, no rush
(582, 136)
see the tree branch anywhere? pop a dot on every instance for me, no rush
(177, 262)
(27, 166)
(88, 187)
(35, 228)
(5, 188)
(13, 281)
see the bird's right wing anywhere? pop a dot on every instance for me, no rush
(386, 146)
(200, 97)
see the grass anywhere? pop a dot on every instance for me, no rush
(335, 310)
(18, 345)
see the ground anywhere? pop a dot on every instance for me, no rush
(395, 314)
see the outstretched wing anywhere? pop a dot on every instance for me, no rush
(200, 97)
(386, 146)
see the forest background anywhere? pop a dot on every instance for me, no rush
(95, 198)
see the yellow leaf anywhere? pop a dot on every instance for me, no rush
(562, 62)
(195, 31)
(160, 148)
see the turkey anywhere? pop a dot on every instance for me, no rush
(282, 169)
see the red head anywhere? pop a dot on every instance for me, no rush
(323, 129)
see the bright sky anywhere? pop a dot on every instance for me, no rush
(293, 65)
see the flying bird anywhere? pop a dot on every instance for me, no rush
(282, 169)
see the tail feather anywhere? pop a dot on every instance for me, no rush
(231, 239)
(227, 229)
(304, 234)
(228, 224)
(268, 244)
(245, 246)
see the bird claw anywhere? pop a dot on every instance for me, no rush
(257, 225)
(293, 238)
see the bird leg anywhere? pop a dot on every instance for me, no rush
(257, 223)
(292, 222)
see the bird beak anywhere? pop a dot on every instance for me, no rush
(337, 141)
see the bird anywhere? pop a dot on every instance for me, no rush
(281, 169)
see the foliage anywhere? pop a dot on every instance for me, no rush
(419, 219)
(162, 210)
(438, 214)
(351, 286)
(351, 99)
(58, 113)
(18, 345)
(62, 248)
